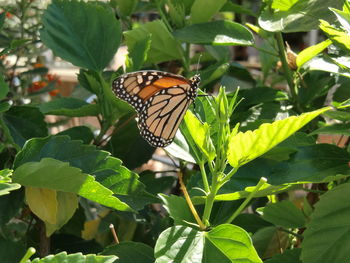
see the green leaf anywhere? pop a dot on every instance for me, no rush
(126, 7)
(338, 37)
(56, 175)
(269, 241)
(71, 107)
(310, 52)
(178, 209)
(137, 54)
(87, 34)
(11, 251)
(343, 18)
(200, 133)
(203, 11)
(288, 256)
(82, 133)
(6, 185)
(74, 258)
(283, 5)
(224, 243)
(4, 88)
(180, 149)
(220, 32)
(302, 16)
(107, 170)
(245, 147)
(163, 47)
(284, 214)
(24, 123)
(338, 115)
(155, 184)
(326, 238)
(338, 128)
(130, 252)
(329, 64)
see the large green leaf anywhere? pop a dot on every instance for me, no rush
(71, 107)
(301, 16)
(178, 209)
(326, 238)
(269, 241)
(245, 147)
(220, 32)
(107, 170)
(224, 243)
(24, 123)
(87, 34)
(284, 214)
(82, 133)
(130, 252)
(74, 258)
(164, 47)
(203, 11)
(57, 175)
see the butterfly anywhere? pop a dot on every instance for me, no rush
(161, 100)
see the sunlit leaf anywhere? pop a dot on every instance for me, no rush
(245, 147)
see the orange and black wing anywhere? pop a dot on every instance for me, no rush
(161, 100)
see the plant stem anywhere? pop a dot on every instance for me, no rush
(30, 252)
(288, 73)
(204, 177)
(209, 202)
(189, 202)
(262, 181)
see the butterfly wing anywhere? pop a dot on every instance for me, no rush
(161, 100)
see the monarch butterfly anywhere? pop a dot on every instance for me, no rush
(160, 99)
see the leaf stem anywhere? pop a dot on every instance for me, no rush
(288, 73)
(204, 177)
(190, 204)
(261, 182)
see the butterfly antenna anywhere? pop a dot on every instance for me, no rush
(199, 60)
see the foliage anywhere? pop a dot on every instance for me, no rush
(254, 142)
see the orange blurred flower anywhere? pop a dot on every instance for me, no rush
(38, 65)
(9, 15)
(36, 86)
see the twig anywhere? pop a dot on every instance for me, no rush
(115, 237)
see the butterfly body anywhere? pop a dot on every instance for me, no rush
(160, 99)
